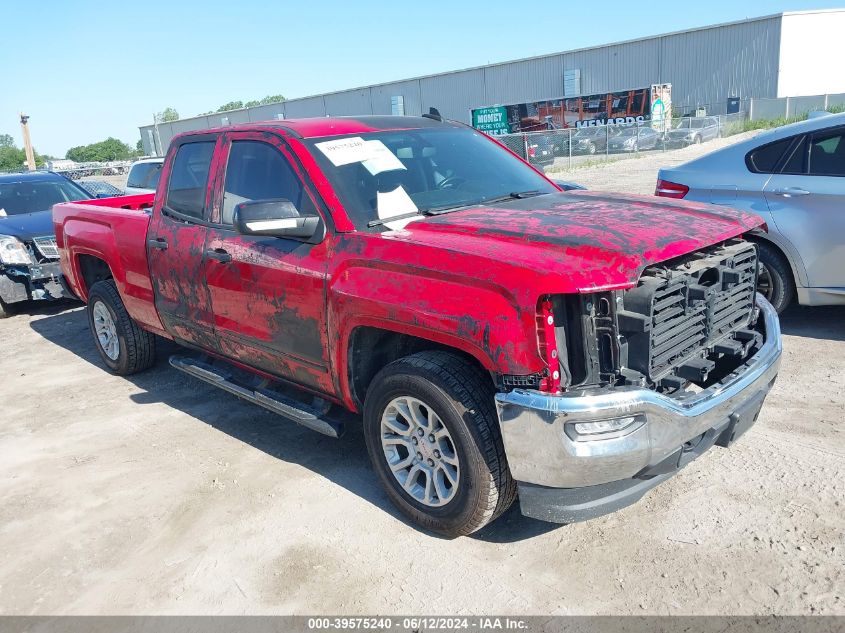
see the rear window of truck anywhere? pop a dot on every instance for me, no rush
(144, 175)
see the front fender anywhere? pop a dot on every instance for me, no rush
(480, 319)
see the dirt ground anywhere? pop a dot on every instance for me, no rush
(160, 495)
(637, 173)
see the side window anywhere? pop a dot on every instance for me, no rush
(827, 154)
(259, 171)
(188, 179)
(796, 164)
(765, 159)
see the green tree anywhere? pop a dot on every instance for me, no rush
(139, 147)
(265, 101)
(168, 114)
(272, 99)
(110, 149)
(232, 105)
(13, 158)
(6, 140)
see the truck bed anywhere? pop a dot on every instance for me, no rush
(112, 230)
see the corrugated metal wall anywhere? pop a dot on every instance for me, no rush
(705, 67)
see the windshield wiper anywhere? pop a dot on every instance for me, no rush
(513, 195)
(403, 216)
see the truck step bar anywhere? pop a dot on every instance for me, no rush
(316, 419)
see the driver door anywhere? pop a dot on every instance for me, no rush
(268, 294)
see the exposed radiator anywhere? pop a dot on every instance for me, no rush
(681, 309)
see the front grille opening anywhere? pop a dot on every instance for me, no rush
(690, 314)
(709, 278)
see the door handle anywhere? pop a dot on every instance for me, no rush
(218, 254)
(158, 242)
(788, 192)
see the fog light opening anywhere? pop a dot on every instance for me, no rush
(605, 429)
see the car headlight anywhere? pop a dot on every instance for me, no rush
(12, 251)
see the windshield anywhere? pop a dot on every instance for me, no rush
(399, 173)
(29, 196)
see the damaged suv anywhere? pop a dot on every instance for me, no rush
(29, 261)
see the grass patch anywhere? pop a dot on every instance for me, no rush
(768, 124)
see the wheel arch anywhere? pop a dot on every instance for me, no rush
(89, 269)
(369, 348)
(763, 238)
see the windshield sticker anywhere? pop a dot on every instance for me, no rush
(381, 159)
(389, 204)
(373, 155)
(344, 151)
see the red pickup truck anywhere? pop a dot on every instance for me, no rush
(490, 334)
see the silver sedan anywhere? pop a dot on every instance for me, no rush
(793, 176)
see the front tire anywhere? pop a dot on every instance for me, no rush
(433, 437)
(124, 347)
(774, 278)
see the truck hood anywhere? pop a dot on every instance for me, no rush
(581, 241)
(27, 225)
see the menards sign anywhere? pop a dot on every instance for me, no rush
(623, 107)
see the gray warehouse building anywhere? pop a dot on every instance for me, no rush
(784, 55)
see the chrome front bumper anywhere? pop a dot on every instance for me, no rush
(538, 438)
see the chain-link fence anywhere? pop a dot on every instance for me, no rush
(565, 149)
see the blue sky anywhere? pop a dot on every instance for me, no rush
(87, 70)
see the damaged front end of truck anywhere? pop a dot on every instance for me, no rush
(641, 381)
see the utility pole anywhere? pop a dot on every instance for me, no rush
(27, 143)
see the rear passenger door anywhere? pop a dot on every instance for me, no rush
(268, 294)
(176, 241)
(807, 201)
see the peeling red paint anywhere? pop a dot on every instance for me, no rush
(470, 279)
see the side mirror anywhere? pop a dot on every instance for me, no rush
(277, 218)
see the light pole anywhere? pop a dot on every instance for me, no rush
(27, 143)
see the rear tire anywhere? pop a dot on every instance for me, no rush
(774, 279)
(439, 392)
(6, 310)
(124, 347)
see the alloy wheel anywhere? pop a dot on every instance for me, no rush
(419, 451)
(106, 330)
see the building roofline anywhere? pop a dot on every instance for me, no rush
(531, 58)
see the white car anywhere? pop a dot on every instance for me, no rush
(143, 176)
(794, 177)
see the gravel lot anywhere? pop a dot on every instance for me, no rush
(157, 494)
(638, 173)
